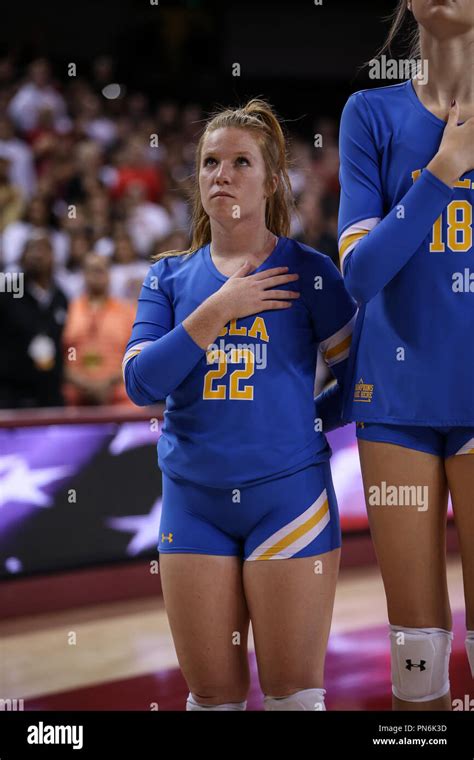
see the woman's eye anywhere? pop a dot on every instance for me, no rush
(209, 158)
(242, 158)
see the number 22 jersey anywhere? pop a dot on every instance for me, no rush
(242, 411)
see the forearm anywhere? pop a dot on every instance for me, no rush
(162, 365)
(207, 321)
(329, 407)
(381, 254)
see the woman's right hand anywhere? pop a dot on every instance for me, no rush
(455, 155)
(243, 295)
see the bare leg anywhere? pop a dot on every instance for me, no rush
(291, 603)
(410, 544)
(460, 472)
(209, 622)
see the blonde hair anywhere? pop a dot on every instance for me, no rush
(259, 117)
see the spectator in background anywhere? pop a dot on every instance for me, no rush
(93, 122)
(22, 169)
(137, 169)
(99, 216)
(177, 206)
(71, 277)
(127, 270)
(96, 333)
(43, 139)
(31, 329)
(147, 223)
(36, 222)
(89, 175)
(36, 94)
(11, 197)
(300, 157)
(178, 240)
(312, 210)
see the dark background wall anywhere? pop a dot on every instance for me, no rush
(296, 53)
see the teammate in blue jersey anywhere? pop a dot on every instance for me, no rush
(406, 246)
(229, 333)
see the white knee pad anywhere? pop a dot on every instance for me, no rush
(307, 699)
(470, 650)
(420, 662)
(191, 704)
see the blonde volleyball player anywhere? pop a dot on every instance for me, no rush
(229, 333)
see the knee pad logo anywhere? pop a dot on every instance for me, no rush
(410, 665)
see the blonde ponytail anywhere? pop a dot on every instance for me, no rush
(259, 117)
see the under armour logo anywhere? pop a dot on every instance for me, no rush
(169, 537)
(421, 665)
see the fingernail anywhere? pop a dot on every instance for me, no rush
(453, 102)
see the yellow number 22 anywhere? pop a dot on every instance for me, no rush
(219, 391)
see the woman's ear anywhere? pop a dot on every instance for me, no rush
(273, 184)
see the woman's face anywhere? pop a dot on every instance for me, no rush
(443, 18)
(96, 274)
(124, 252)
(37, 212)
(232, 176)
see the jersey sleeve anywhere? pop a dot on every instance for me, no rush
(159, 354)
(373, 248)
(334, 314)
(359, 173)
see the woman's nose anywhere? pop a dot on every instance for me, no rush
(223, 171)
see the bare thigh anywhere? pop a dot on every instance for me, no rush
(460, 472)
(209, 622)
(291, 603)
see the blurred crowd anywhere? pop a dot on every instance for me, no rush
(94, 180)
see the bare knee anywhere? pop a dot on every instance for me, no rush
(416, 616)
(284, 688)
(208, 693)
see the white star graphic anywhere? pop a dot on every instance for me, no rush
(19, 483)
(134, 434)
(145, 527)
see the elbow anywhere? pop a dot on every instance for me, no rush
(357, 284)
(357, 291)
(138, 399)
(136, 391)
(135, 395)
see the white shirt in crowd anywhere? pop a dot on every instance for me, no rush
(126, 280)
(30, 99)
(22, 170)
(16, 235)
(147, 223)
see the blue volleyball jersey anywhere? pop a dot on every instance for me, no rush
(242, 411)
(405, 241)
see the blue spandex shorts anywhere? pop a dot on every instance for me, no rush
(439, 441)
(292, 516)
